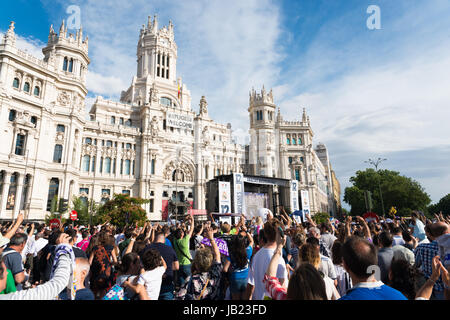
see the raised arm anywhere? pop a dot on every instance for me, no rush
(216, 252)
(308, 217)
(191, 227)
(366, 228)
(273, 265)
(14, 228)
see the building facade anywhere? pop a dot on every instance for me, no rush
(150, 144)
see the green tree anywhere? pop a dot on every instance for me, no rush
(86, 211)
(443, 205)
(123, 209)
(320, 217)
(398, 191)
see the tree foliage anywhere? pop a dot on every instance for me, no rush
(398, 191)
(443, 205)
(123, 209)
(86, 211)
(320, 217)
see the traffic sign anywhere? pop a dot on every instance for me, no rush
(73, 215)
(55, 224)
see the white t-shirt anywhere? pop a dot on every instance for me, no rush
(327, 267)
(343, 279)
(152, 281)
(40, 244)
(258, 268)
(332, 293)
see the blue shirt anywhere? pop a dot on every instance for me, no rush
(373, 291)
(424, 254)
(419, 230)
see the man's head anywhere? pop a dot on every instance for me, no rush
(159, 237)
(179, 233)
(314, 232)
(271, 229)
(435, 230)
(81, 271)
(225, 228)
(18, 242)
(385, 239)
(166, 230)
(397, 231)
(358, 255)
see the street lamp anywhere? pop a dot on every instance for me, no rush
(376, 164)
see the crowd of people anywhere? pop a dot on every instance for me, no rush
(263, 258)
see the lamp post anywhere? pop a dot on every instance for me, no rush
(376, 164)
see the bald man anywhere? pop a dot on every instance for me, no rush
(80, 273)
(425, 252)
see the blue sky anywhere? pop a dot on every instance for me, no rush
(369, 93)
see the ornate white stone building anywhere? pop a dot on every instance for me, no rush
(151, 144)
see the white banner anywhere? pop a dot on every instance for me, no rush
(239, 196)
(224, 197)
(294, 195)
(305, 202)
(182, 121)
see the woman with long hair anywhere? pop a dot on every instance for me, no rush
(240, 251)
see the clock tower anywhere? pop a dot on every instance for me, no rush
(156, 51)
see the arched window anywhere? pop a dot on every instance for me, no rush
(113, 120)
(12, 115)
(71, 65)
(88, 141)
(26, 87)
(93, 164)
(288, 139)
(86, 161)
(60, 128)
(165, 102)
(128, 145)
(20, 144)
(16, 83)
(57, 153)
(299, 140)
(52, 192)
(65, 63)
(128, 123)
(33, 120)
(108, 165)
(127, 167)
(294, 140)
(37, 91)
(11, 200)
(153, 166)
(109, 143)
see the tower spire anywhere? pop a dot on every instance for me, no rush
(155, 23)
(149, 23)
(61, 29)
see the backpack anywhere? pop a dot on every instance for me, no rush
(101, 265)
(117, 292)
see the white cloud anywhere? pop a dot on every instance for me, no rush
(28, 44)
(104, 85)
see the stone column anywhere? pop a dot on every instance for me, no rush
(18, 195)
(5, 190)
